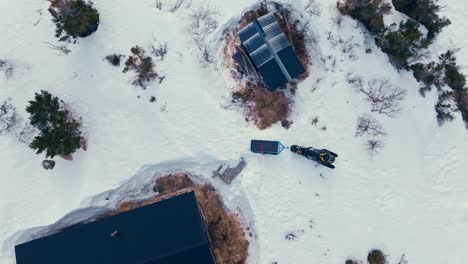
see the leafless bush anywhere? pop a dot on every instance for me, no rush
(202, 23)
(403, 260)
(374, 146)
(7, 67)
(158, 4)
(367, 125)
(384, 97)
(357, 81)
(62, 50)
(312, 8)
(26, 133)
(8, 117)
(338, 19)
(178, 4)
(159, 50)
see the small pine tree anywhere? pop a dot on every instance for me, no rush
(400, 43)
(59, 132)
(369, 12)
(425, 12)
(74, 18)
(428, 75)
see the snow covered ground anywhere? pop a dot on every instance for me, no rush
(412, 198)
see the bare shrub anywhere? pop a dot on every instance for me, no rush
(26, 133)
(8, 117)
(202, 23)
(374, 146)
(356, 81)
(312, 8)
(384, 97)
(403, 260)
(376, 256)
(158, 4)
(143, 66)
(367, 125)
(227, 236)
(7, 67)
(178, 4)
(62, 50)
(159, 50)
(114, 59)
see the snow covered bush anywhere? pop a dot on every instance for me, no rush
(425, 12)
(384, 97)
(74, 18)
(59, 131)
(369, 12)
(142, 65)
(202, 23)
(7, 67)
(8, 117)
(376, 256)
(400, 42)
(114, 59)
(367, 125)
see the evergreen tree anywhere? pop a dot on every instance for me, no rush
(59, 133)
(369, 12)
(400, 43)
(74, 18)
(425, 12)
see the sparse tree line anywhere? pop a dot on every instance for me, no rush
(404, 43)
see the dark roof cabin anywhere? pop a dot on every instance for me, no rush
(270, 51)
(168, 232)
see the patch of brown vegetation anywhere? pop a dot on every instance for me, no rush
(225, 231)
(264, 107)
(376, 256)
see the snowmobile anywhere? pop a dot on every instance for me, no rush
(322, 156)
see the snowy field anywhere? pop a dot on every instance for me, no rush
(411, 198)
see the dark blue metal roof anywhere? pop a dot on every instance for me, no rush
(167, 232)
(270, 51)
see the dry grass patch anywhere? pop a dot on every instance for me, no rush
(262, 106)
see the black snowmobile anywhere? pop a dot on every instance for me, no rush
(322, 156)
